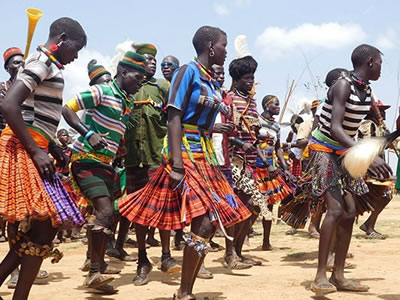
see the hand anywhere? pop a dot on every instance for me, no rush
(61, 159)
(271, 170)
(289, 176)
(380, 169)
(98, 141)
(44, 164)
(223, 127)
(122, 150)
(175, 178)
(249, 147)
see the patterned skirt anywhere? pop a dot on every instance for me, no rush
(244, 181)
(24, 195)
(327, 173)
(205, 190)
(376, 196)
(273, 187)
(296, 210)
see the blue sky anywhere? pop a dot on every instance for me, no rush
(281, 36)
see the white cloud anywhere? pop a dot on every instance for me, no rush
(221, 9)
(76, 76)
(387, 41)
(277, 41)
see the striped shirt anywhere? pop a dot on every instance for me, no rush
(355, 111)
(42, 108)
(245, 112)
(107, 111)
(195, 95)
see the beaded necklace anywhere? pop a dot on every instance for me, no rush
(50, 56)
(216, 94)
(359, 81)
(206, 72)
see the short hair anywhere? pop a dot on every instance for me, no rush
(72, 29)
(204, 35)
(173, 58)
(266, 99)
(334, 75)
(361, 53)
(241, 66)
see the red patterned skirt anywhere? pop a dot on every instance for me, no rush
(205, 190)
(274, 187)
(24, 195)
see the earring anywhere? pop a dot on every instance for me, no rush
(211, 53)
(53, 47)
(370, 64)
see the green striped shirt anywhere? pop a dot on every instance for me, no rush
(107, 111)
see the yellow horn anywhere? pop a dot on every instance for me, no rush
(34, 15)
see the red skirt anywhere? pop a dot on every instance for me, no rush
(205, 190)
(274, 187)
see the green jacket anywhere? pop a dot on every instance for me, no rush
(148, 124)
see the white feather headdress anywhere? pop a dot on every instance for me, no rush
(241, 46)
(121, 49)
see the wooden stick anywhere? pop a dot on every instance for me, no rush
(286, 102)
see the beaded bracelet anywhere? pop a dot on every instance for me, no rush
(178, 170)
(89, 134)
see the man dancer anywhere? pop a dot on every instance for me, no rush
(144, 142)
(347, 105)
(108, 109)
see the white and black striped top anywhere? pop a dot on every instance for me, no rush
(42, 108)
(355, 112)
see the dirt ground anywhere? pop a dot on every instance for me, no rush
(286, 272)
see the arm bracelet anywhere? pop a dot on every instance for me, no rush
(89, 134)
(178, 170)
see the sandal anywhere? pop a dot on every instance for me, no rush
(12, 283)
(349, 286)
(234, 263)
(107, 289)
(42, 274)
(323, 289)
(96, 280)
(374, 235)
(187, 297)
(250, 261)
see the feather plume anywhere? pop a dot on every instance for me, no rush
(359, 158)
(303, 106)
(121, 49)
(241, 46)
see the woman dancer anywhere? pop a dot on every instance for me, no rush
(32, 108)
(270, 178)
(189, 188)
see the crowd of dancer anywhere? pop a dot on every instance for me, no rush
(180, 154)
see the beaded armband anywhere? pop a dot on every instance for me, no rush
(198, 243)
